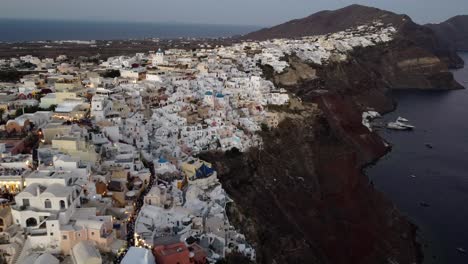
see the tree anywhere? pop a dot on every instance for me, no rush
(27, 109)
(111, 74)
(2, 112)
(10, 75)
(52, 107)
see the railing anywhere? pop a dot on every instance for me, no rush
(38, 232)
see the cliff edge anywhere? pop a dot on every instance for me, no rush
(302, 196)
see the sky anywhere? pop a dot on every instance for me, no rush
(233, 12)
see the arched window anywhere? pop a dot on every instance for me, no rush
(47, 203)
(62, 204)
(1, 221)
(31, 222)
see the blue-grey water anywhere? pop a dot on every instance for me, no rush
(441, 119)
(13, 30)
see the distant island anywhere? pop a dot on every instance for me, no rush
(453, 32)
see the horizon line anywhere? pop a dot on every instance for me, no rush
(128, 21)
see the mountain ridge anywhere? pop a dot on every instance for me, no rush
(453, 32)
(325, 22)
(321, 23)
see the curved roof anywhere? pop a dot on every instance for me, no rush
(30, 190)
(209, 93)
(85, 252)
(91, 224)
(38, 258)
(56, 190)
(138, 256)
(46, 258)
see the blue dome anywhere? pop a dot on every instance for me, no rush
(220, 95)
(162, 160)
(209, 93)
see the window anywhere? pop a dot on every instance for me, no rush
(51, 234)
(62, 204)
(1, 221)
(92, 233)
(64, 237)
(30, 222)
(25, 202)
(47, 203)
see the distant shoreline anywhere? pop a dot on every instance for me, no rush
(27, 30)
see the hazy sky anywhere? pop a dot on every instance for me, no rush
(242, 12)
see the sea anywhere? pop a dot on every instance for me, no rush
(15, 30)
(430, 186)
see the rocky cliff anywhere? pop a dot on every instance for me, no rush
(302, 196)
(453, 32)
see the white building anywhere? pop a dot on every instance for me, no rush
(158, 58)
(48, 201)
(100, 106)
(208, 98)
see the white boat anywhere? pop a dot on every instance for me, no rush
(400, 124)
(461, 250)
(401, 119)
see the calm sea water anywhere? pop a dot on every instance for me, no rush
(441, 119)
(12, 30)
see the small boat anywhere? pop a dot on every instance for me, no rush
(461, 250)
(424, 204)
(401, 119)
(400, 124)
(413, 176)
(429, 145)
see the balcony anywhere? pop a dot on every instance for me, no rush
(38, 232)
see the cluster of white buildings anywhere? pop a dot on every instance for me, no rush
(115, 172)
(323, 48)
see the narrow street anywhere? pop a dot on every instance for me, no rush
(132, 218)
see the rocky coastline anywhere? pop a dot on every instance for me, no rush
(303, 197)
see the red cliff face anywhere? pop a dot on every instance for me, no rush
(303, 198)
